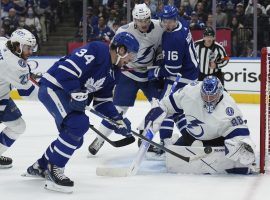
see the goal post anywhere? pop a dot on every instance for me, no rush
(264, 108)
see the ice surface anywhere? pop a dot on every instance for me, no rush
(152, 183)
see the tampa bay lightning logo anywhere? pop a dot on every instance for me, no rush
(146, 52)
(194, 83)
(230, 111)
(22, 63)
(194, 127)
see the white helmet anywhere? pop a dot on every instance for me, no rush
(141, 11)
(24, 37)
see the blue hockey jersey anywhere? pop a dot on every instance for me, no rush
(86, 68)
(179, 54)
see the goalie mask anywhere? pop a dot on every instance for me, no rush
(211, 92)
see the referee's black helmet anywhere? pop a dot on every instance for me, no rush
(209, 31)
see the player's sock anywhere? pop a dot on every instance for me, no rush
(106, 129)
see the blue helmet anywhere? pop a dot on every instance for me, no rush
(169, 12)
(128, 40)
(211, 92)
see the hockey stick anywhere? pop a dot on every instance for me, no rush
(141, 136)
(118, 143)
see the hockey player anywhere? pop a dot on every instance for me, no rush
(68, 86)
(14, 53)
(179, 57)
(148, 32)
(213, 119)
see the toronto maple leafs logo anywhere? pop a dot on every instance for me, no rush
(93, 86)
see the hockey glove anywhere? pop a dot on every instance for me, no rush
(123, 127)
(78, 100)
(240, 149)
(155, 116)
(153, 74)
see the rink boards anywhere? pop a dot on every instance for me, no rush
(242, 77)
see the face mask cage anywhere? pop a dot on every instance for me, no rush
(211, 96)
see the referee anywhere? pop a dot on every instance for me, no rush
(211, 54)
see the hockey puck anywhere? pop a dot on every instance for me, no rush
(207, 150)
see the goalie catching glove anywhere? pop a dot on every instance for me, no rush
(240, 149)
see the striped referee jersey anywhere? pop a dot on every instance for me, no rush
(204, 54)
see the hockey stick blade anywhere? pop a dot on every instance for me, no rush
(119, 143)
(112, 171)
(207, 150)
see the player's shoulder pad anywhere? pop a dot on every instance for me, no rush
(126, 26)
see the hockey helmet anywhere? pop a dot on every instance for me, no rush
(127, 40)
(211, 92)
(209, 31)
(141, 11)
(24, 38)
(169, 12)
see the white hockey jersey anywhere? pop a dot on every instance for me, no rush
(14, 73)
(150, 43)
(225, 119)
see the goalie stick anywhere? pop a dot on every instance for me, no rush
(141, 136)
(119, 143)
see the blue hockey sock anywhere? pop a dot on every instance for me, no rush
(5, 140)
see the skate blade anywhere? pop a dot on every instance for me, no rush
(31, 176)
(49, 185)
(5, 166)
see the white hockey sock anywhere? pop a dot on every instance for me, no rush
(105, 131)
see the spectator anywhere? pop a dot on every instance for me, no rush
(19, 6)
(188, 9)
(33, 24)
(209, 21)
(236, 28)
(102, 31)
(195, 23)
(6, 6)
(183, 14)
(240, 13)
(40, 8)
(222, 17)
(12, 15)
(202, 14)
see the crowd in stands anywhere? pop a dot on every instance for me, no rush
(38, 16)
(105, 16)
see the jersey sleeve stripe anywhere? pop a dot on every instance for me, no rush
(238, 132)
(68, 70)
(174, 104)
(51, 79)
(75, 66)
